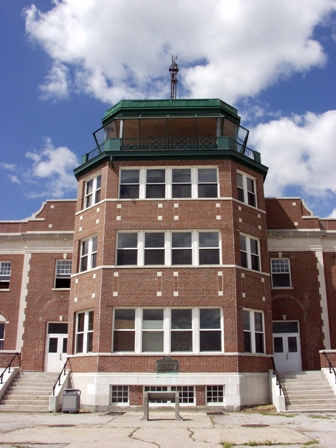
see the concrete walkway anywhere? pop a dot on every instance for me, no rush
(197, 430)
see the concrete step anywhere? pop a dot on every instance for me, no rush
(23, 408)
(23, 401)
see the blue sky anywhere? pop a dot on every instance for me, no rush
(65, 62)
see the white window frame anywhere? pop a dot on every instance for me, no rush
(168, 248)
(282, 269)
(62, 272)
(245, 191)
(91, 253)
(249, 253)
(214, 394)
(196, 331)
(120, 391)
(92, 197)
(186, 391)
(87, 332)
(2, 333)
(169, 183)
(254, 332)
(5, 274)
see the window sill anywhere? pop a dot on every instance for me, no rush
(60, 289)
(5, 289)
(282, 287)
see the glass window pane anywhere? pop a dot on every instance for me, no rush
(53, 345)
(209, 239)
(154, 239)
(181, 239)
(154, 256)
(181, 256)
(242, 243)
(280, 280)
(156, 176)
(181, 191)
(129, 176)
(94, 244)
(57, 328)
(80, 321)
(182, 175)
(292, 344)
(152, 341)
(89, 342)
(250, 185)
(258, 324)
(209, 318)
(152, 319)
(254, 246)
(259, 341)
(207, 175)
(207, 191)
(181, 341)
(123, 341)
(2, 331)
(251, 199)
(127, 257)
(129, 191)
(278, 345)
(240, 181)
(247, 342)
(90, 323)
(210, 341)
(181, 319)
(246, 320)
(209, 256)
(255, 262)
(155, 191)
(127, 240)
(124, 318)
(85, 247)
(285, 327)
(79, 343)
(89, 187)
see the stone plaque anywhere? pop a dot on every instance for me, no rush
(167, 365)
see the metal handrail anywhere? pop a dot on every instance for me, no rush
(278, 382)
(331, 367)
(9, 366)
(63, 371)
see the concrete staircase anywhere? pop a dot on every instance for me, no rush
(29, 392)
(308, 391)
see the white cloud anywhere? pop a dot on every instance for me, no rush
(52, 170)
(300, 152)
(14, 179)
(7, 166)
(122, 48)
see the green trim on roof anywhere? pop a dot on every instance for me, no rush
(171, 107)
(201, 154)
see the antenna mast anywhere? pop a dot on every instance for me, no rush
(173, 69)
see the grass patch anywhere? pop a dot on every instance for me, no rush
(312, 442)
(264, 443)
(267, 409)
(227, 445)
(327, 417)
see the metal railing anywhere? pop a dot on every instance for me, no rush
(331, 367)
(18, 355)
(58, 381)
(172, 144)
(278, 382)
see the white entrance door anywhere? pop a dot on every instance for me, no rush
(287, 347)
(56, 346)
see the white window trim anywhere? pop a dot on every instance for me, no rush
(168, 388)
(168, 183)
(275, 273)
(120, 403)
(254, 332)
(2, 340)
(195, 247)
(245, 188)
(196, 330)
(249, 253)
(60, 277)
(89, 254)
(94, 191)
(85, 331)
(4, 278)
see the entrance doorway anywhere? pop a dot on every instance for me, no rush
(287, 346)
(56, 346)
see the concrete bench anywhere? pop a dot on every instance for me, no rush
(166, 396)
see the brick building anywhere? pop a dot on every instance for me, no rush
(184, 277)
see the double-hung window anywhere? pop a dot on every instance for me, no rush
(155, 183)
(246, 189)
(84, 332)
(167, 330)
(88, 254)
(253, 323)
(127, 253)
(154, 248)
(208, 248)
(63, 273)
(249, 252)
(169, 183)
(5, 274)
(280, 269)
(2, 332)
(92, 191)
(181, 248)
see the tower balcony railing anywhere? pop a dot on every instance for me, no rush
(171, 144)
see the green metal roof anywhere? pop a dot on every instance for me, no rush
(171, 107)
